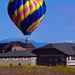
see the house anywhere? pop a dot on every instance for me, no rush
(56, 54)
(6, 47)
(51, 54)
(2, 47)
(14, 58)
(17, 53)
(22, 46)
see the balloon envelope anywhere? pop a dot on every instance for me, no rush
(26, 14)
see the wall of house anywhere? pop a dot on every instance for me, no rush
(17, 61)
(50, 56)
(18, 48)
(51, 60)
(70, 61)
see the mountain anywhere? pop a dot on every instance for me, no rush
(12, 40)
(36, 44)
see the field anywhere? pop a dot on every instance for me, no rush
(37, 70)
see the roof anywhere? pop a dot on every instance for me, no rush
(66, 48)
(17, 54)
(6, 46)
(24, 45)
(2, 46)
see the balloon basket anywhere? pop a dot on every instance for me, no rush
(27, 39)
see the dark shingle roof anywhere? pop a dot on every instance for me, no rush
(66, 48)
(17, 54)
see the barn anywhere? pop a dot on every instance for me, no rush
(50, 54)
(56, 54)
(16, 58)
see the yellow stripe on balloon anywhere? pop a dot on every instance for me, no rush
(35, 4)
(13, 16)
(41, 2)
(20, 9)
(34, 7)
(35, 24)
(20, 14)
(15, 13)
(26, 12)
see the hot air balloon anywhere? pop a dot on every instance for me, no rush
(26, 14)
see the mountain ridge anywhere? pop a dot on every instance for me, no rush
(36, 44)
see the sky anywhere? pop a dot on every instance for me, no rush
(58, 25)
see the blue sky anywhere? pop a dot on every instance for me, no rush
(59, 24)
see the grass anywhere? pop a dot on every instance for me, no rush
(36, 70)
(62, 69)
(29, 67)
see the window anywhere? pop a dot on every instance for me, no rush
(72, 58)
